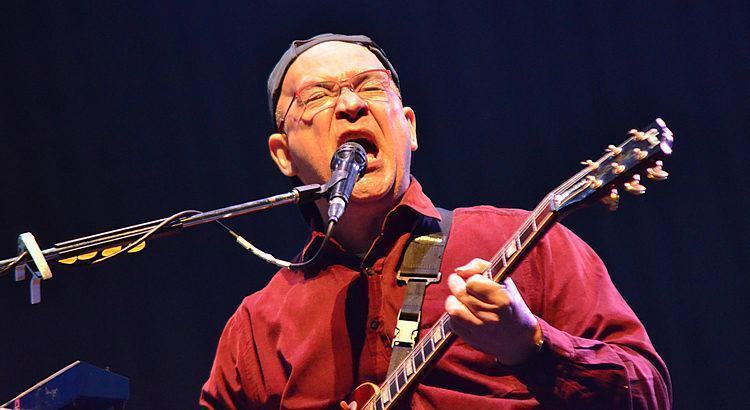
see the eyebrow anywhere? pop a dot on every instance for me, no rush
(313, 79)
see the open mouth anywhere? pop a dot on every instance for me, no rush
(369, 146)
(366, 141)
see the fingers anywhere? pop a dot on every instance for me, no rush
(481, 309)
(474, 267)
(350, 406)
(467, 293)
(460, 313)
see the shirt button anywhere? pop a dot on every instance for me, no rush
(369, 271)
(374, 324)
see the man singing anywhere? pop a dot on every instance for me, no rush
(558, 335)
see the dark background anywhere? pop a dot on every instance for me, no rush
(114, 113)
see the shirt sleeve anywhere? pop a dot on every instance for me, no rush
(235, 381)
(596, 353)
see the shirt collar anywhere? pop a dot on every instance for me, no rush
(414, 199)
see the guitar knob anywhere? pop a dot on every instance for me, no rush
(657, 173)
(612, 200)
(634, 186)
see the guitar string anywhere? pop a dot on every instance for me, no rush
(542, 206)
(419, 346)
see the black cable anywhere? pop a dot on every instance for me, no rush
(265, 256)
(329, 230)
(150, 232)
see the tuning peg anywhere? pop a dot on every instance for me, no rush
(638, 135)
(640, 154)
(614, 150)
(657, 173)
(595, 183)
(652, 136)
(589, 163)
(617, 168)
(612, 200)
(634, 186)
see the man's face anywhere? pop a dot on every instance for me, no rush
(385, 129)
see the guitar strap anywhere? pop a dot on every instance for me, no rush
(420, 267)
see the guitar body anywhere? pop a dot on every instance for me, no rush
(361, 395)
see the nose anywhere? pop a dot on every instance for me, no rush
(350, 106)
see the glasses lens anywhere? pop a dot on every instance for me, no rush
(369, 86)
(318, 97)
(372, 85)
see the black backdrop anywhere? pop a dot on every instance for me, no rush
(117, 113)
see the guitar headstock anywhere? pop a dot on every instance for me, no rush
(638, 158)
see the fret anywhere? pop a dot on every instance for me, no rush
(437, 335)
(503, 260)
(539, 219)
(446, 326)
(518, 243)
(533, 223)
(392, 389)
(384, 395)
(409, 366)
(401, 379)
(510, 249)
(428, 347)
(525, 234)
(418, 359)
(378, 404)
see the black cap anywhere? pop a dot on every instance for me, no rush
(276, 79)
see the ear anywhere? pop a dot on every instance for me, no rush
(278, 146)
(412, 120)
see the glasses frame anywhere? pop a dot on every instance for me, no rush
(341, 84)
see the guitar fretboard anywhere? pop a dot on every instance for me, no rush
(433, 343)
(596, 180)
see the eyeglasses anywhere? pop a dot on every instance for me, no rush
(370, 85)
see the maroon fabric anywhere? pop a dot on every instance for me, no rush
(308, 339)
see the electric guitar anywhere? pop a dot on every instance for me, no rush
(642, 153)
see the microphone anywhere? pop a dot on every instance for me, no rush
(348, 164)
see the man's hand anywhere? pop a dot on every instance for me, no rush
(491, 317)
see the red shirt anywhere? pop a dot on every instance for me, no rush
(309, 338)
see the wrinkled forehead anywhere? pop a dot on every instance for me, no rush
(332, 60)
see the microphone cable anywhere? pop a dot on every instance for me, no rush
(267, 257)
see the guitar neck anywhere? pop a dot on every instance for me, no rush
(642, 152)
(434, 343)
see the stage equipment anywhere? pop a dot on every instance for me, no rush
(348, 163)
(78, 385)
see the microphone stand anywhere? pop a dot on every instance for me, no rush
(89, 246)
